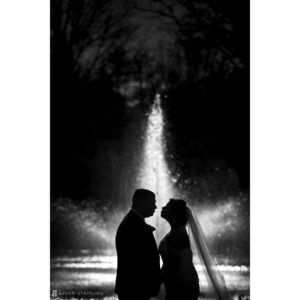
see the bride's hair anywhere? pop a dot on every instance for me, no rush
(178, 210)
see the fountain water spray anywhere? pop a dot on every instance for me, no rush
(155, 175)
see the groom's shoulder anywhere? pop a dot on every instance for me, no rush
(127, 219)
(130, 220)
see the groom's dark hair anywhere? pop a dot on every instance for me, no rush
(141, 194)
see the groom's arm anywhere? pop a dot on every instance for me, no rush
(130, 272)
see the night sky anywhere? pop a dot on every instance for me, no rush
(110, 58)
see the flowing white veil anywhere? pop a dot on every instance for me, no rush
(216, 288)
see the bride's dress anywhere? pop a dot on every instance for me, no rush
(178, 272)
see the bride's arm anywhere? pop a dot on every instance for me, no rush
(167, 249)
(177, 252)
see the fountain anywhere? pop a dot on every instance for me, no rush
(154, 174)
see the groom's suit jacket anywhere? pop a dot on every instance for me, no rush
(138, 269)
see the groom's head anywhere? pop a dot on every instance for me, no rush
(143, 201)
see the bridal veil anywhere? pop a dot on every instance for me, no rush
(215, 287)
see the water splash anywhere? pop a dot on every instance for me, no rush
(155, 175)
(221, 219)
(82, 271)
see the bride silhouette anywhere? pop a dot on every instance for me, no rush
(178, 272)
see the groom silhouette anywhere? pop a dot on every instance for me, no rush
(138, 272)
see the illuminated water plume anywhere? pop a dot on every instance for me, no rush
(155, 175)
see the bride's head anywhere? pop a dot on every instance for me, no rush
(175, 212)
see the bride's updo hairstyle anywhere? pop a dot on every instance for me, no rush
(178, 210)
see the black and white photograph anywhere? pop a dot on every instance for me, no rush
(150, 149)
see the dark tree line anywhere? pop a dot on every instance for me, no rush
(204, 34)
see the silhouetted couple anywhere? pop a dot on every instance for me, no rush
(139, 275)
